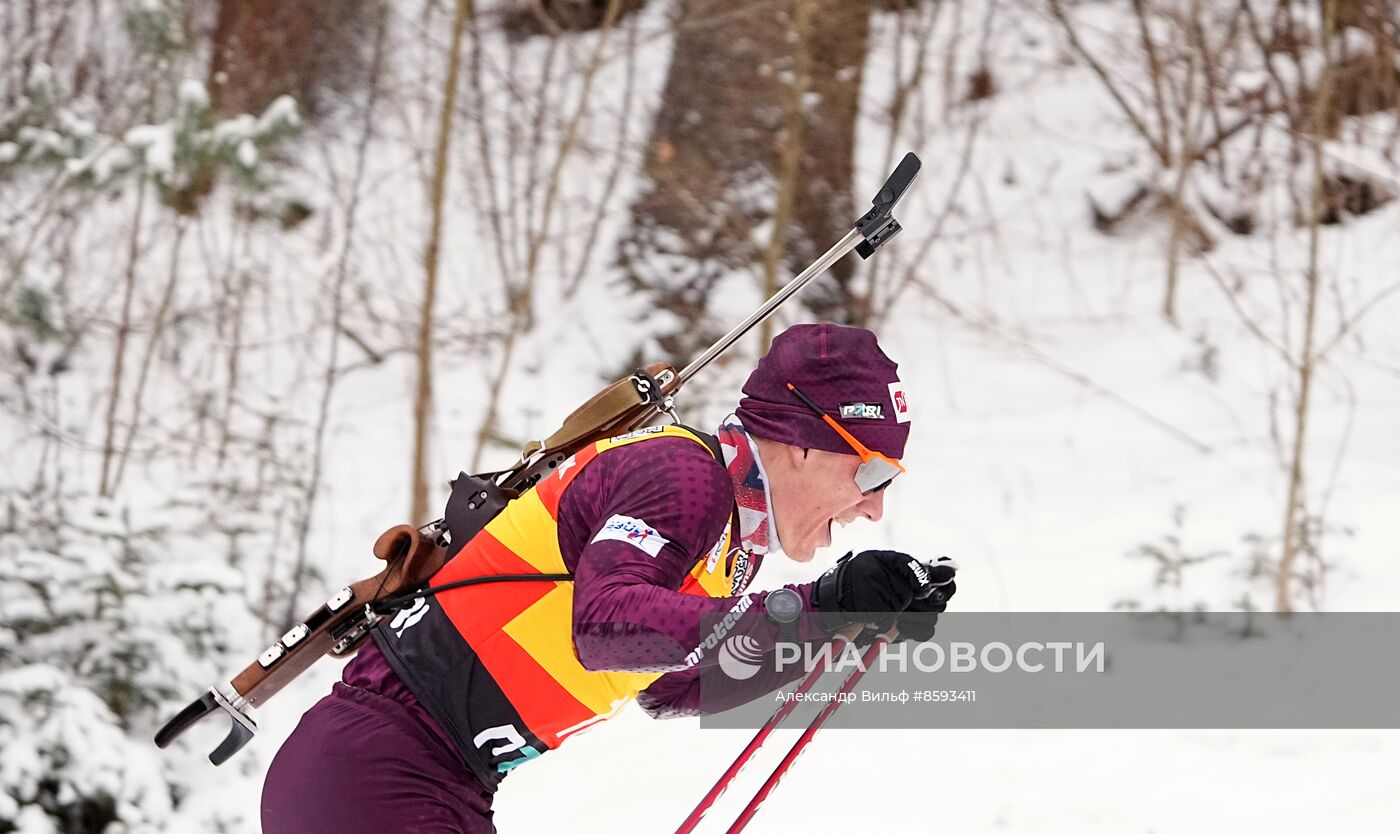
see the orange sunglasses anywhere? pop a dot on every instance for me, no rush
(876, 471)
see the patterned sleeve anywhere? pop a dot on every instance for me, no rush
(649, 512)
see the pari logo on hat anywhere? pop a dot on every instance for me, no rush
(900, 400)
(862, 411)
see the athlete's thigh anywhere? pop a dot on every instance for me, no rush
(356, 765)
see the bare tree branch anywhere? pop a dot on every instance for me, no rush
(423, 398)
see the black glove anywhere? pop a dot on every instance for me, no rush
(919, 619)
(876, 583)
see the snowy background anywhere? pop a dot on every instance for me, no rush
(210, 326)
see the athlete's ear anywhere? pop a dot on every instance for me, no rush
(797, 456)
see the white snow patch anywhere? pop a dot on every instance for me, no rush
(157, 146)
(193, 94)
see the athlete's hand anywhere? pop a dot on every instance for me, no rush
(921, 617)
(876, 586)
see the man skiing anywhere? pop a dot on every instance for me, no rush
(663, 530)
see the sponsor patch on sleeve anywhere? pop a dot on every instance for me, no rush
(634, 531)
(718, 550)
(743, 561)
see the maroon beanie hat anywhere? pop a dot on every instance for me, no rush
(842, 370)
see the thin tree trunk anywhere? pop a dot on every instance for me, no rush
(1155, 72)
(133, 257)
(157, 331)
(423, 398)
(233, 365)
(494, 213)
(1292, 515)
(620, 158)
(1186, 157)
(906, 87)
(789, 159)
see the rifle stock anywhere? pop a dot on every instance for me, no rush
(613, 410)
(337, 627)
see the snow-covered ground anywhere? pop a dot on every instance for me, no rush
(1060, 421)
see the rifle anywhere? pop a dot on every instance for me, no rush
(413, 555)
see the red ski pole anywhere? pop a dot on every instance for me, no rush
(807, 734)
(743, 758)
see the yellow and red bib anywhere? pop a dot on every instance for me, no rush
(495, 663)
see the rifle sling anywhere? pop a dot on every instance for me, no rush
(388, 605)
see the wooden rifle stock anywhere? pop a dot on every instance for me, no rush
(337, 627)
